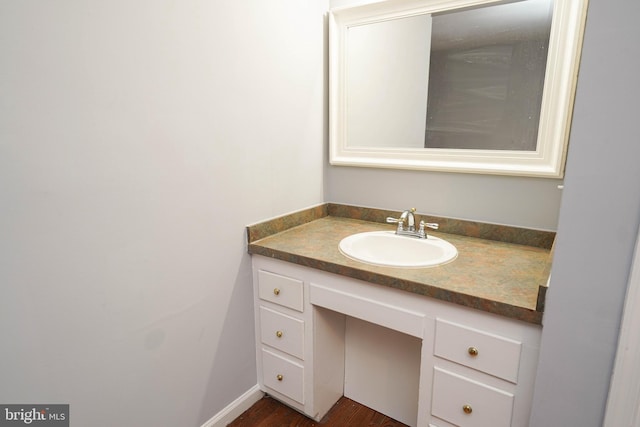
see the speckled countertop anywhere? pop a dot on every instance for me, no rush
(490, 275)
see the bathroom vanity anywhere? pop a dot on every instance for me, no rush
(453, 345)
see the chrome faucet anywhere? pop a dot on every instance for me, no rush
(408, 218)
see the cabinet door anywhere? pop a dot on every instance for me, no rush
(489, 353)
(281, 290)
(283, 332)
(283, 375)
(464, 402)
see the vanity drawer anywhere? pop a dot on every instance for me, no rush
(492, 354)
(283, 376)
(464, 402)
(283, 332)
(281, 290)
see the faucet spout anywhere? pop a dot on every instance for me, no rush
(409, 219)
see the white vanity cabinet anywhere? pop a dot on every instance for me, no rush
(281, 333)
(285, 338)
(475, 368)
(482, 377)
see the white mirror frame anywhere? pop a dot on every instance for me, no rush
(557, 100)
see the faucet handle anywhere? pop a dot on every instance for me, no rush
(431, 225)
(399, 221)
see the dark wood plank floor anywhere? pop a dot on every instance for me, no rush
(268, 412)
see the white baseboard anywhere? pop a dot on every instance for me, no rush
(235, 408)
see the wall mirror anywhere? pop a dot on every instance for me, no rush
(475, 86)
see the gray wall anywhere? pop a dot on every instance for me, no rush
(137, 139)
(598, 225)
(518, 201)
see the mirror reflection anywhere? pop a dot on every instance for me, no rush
(461, 79)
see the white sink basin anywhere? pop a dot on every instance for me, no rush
(388, 249)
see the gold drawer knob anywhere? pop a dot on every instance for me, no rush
(276, 291)
(473, 351)
(467, 409)
(279, 377)
(279, 334)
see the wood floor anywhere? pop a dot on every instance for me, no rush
(268, 412)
